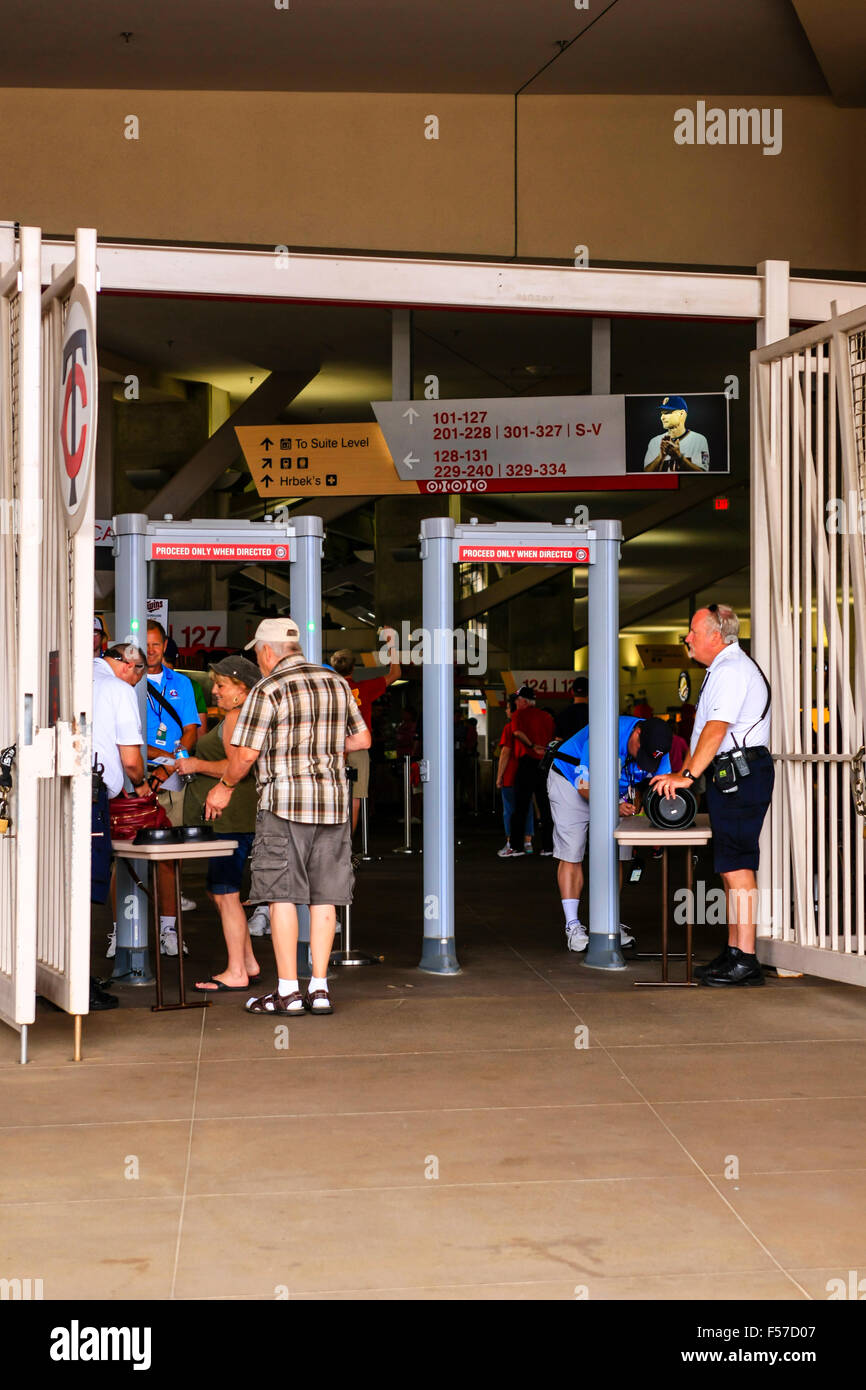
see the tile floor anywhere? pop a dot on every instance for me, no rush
(445, 1138)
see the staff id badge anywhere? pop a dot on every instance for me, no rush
(161, 733)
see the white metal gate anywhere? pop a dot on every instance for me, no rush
(809, 634)
(46, 606)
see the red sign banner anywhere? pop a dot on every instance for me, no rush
(527, 554)
(207, 550)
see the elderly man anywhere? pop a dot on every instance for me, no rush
(296, 725)
(729, 743)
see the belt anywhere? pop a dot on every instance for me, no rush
(751, 754)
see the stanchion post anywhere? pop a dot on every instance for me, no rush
(439, 955)
(131, 960)
(603, 952)
(406, 847)
(365, 833)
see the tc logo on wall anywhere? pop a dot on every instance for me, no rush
(77, 407)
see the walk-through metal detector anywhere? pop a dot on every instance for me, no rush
(445, 544)
(298, 544)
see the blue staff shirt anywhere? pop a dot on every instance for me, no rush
(178, 691)
(629, 773)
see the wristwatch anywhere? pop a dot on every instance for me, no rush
(136, 785)
(689, 774)
(231, 785)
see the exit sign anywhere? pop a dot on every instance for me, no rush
(720, 504)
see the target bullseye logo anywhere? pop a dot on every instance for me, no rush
(281, 552)
(77, 407)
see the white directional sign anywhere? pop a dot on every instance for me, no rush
(518, 442)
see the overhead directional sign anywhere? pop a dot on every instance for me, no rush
(554, 443)
(320, 460)
(505, 445)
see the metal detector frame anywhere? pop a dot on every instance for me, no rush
(441, 541)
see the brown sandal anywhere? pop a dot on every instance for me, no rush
(309, 1001)
(276, 1003)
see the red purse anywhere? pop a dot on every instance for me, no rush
(131, 813)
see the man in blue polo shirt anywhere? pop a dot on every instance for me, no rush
(644, 751)
(172, 718)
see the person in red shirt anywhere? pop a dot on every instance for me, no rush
(533, 728)
(509, 754)
(366, 693)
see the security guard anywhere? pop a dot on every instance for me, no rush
(729, 743)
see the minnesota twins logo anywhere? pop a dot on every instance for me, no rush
(77, 407)
(74, 427)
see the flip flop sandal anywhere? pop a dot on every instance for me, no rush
(275, 1003)
(221, 988)
(310, 1001)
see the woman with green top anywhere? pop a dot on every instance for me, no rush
(234, 677)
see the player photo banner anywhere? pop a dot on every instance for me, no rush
(685, 434)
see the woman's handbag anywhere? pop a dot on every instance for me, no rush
(132, 813)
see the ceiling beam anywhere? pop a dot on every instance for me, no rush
(671, 505)
(837, 35)
(696, 582)
(356, 573)
(200, 472)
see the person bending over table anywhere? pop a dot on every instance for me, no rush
(644, 749)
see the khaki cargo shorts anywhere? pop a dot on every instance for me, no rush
(296, 863)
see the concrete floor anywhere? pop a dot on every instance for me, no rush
(445, 1138)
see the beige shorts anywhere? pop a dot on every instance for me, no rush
(293, 862)
(360, 761)
(172, 804)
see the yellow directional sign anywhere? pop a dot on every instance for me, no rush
(320, 461)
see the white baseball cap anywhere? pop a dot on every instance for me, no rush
(275, 630)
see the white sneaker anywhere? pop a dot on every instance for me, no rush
(625, 936)
(168, 942)
(187, 905)
(577, 936)
(527, 846)
(260, 921)
(112, 945)
(509, 853)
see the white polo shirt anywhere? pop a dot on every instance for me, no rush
(734, 691)
(115, 720)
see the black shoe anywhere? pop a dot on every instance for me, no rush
(100, 998)
(712, 966)
(739, 969)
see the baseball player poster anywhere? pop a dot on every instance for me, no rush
(677, 434)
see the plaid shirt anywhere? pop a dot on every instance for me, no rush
(298, 718)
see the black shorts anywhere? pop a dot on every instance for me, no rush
(736, 817)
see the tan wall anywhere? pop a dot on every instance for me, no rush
(346, 170)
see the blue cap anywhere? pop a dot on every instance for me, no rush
(673, 403)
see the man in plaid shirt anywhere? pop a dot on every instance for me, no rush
(296, 725)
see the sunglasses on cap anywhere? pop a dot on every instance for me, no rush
(711, 608)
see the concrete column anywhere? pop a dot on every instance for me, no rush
(601, 357)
